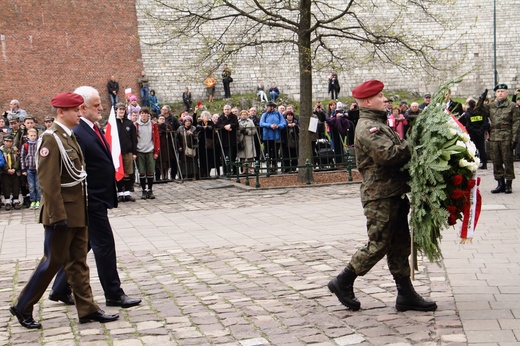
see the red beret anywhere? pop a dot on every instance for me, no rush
(368, 89)
(67, 100)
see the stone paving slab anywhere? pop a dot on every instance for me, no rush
(243, 295)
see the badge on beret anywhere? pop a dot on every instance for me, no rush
(373, 130)
(44, 152)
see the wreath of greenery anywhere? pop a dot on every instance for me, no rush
(442, 169)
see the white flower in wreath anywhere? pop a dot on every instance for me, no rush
(465, 137)
(472, 149)
(460, 144)
(464, 163)
(453, 131)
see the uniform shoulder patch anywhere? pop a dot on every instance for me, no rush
(373, 129)
(44, 151)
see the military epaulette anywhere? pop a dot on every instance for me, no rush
(49, 131)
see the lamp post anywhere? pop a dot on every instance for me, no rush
(495, 41)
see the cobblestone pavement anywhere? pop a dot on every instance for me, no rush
(220, 265)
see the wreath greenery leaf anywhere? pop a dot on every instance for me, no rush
(440, 151)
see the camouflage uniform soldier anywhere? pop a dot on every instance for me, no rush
(505, 127)
(381, 155)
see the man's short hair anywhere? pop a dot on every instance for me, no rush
(145, 110)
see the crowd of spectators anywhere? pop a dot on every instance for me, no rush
(19, 132)
(197, 144)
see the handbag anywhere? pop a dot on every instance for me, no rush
(241, 144)
(189, 152)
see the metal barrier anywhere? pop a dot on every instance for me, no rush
(218, 153)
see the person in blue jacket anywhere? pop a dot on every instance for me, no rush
(272, 122)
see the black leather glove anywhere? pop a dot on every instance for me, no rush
(484, 94)
(60, 225)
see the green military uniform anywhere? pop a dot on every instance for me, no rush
(381, 155)
(62, 183)
(505, 127)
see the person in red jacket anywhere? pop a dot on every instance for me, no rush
(148, 146)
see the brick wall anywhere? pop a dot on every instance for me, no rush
(48, 47)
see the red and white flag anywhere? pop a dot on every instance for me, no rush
(112, 136)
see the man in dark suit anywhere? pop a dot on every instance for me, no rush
(64, 215)
(101, 187)
(454, 107)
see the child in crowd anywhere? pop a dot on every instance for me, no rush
(133, 106)
(28, 164)
(11, 173)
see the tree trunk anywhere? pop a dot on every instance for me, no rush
(305, 65)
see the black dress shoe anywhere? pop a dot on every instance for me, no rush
(58, 297)
(129, 198)
(124, 301)
(26, 321)
(98, 316)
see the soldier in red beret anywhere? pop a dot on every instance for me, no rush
(381, 154)
(61, 172)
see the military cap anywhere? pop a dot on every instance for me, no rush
(8, 138)
(48, 118)
(500, 86)
(427, 96)
(368, 89)
(67, 100)
(120, 105)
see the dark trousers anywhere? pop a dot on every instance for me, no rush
(227, 90)
(480, 143)
(101, 241)
(11, 185)
(68, 250)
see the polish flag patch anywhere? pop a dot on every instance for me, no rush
(373, 129)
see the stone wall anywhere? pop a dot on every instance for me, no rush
(168, 64)
(54, 46)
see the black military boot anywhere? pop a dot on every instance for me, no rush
(408, 299)
(501, 187)
(508, 188)
(343, 287)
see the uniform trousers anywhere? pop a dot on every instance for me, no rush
(388, 234)
(502, 156)
(67, 249)
(101, 240)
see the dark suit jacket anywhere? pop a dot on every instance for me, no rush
(455, 108)
(101, 178)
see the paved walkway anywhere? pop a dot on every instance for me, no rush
(220, 265)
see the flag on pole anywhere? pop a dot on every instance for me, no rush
(112, 136)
